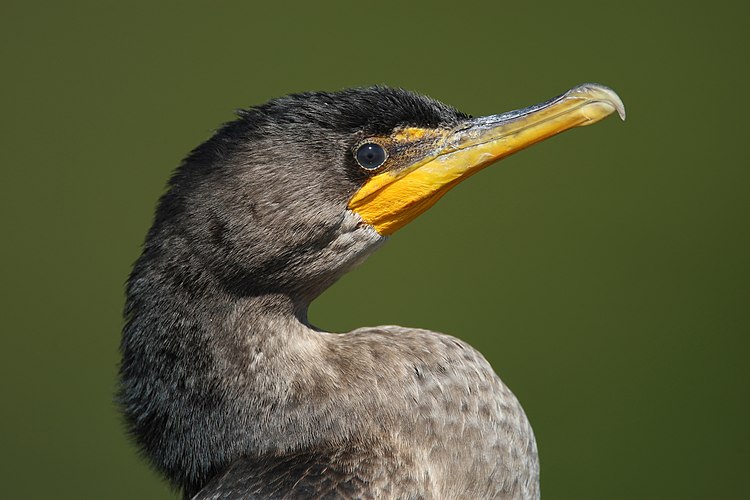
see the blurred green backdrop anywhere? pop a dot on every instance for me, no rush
(603, 273)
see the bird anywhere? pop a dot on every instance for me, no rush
(227, 388)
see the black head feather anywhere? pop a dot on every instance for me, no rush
(371, 111)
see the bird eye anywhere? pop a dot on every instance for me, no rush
(370, 155)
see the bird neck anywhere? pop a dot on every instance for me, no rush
(205, 373)
(217, 364)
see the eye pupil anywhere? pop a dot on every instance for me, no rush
(370, 156)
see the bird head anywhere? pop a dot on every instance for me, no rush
(297, 191)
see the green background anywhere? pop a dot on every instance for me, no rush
(603, 273)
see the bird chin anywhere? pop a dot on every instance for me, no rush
(358, 240)
(354, 241)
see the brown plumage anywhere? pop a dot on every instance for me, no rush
(225, 385)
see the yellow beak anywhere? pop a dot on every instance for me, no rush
(391, 199)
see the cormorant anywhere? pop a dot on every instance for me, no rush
(228, 389)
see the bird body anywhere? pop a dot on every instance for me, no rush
(385, 412)
(226, 386)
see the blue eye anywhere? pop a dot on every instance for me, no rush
(370, 156)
